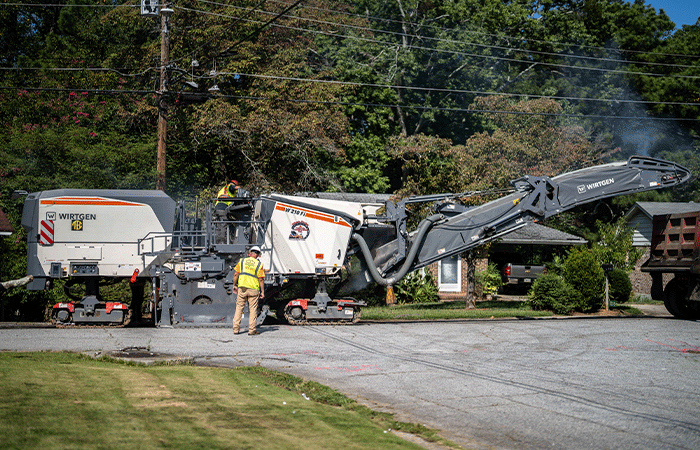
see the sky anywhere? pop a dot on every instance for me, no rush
(681, 12)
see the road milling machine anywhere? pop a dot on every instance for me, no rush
(188, 250)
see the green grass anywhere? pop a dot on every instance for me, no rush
(452, 310)
(639, 300)
(70, 401)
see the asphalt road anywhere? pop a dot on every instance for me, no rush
(614, 383)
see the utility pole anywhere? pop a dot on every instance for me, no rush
(165, 12)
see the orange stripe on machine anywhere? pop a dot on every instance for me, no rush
(311, 214)
(91, 201)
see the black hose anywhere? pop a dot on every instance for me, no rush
(408, 263)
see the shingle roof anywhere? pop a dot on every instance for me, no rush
(651, 209)
(5, 226)
(536, 234)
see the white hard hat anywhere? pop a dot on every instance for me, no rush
(255, 248)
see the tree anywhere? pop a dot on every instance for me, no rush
(529, 141)
(614, 245)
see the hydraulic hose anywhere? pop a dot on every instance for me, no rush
(423, 228)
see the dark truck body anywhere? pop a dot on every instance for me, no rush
(522, 274)
(675, 249)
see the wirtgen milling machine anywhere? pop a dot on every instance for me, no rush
(89, 237)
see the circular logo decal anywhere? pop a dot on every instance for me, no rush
(300, 230)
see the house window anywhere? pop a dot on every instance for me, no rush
(450, 274)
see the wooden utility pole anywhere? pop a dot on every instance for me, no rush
(165, 13)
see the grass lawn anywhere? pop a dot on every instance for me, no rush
(452, 310)
(70, 401)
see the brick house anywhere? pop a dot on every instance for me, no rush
(451, 273)
(640, 217)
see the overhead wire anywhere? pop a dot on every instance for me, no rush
(388, 86)
(447, 109)
(373, 85)
(498, 36)
(365, 104)
(451, 91)
(453, 41)
(283, 13)
(409, 35)
(454, 52)
(63, 5)
(383, 19)
(358, 84)
(82, 69)
(210, 40)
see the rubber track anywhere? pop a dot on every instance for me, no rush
(126, 322)
(292, 321)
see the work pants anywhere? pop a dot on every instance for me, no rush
(251, 297)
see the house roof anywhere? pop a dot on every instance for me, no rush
(536, 234)
(651, 209)
(5, 226)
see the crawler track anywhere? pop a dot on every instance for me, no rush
(71, 324)
(304, 322)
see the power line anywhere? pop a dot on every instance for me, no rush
(59, 5)
(450, 91)
(194, 52)
(89, 91)
(452, 41)
(454, 52)
(372, 85)
(82, 69)
(399, 22)
(424, 37)
(445, 109)
(199, 96)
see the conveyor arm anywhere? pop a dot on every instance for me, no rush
(534, 198)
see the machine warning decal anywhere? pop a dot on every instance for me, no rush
(76, 225)
(46, 233)
(300, 230)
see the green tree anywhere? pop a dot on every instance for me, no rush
(614, 245)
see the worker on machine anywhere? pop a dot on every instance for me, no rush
(234, 204)
(249, 285)
(230, 191)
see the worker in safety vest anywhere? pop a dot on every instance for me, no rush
(228, 191)
(249, 283)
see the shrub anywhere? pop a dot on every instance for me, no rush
(620, 285)
(488, 281)
(551, 292)
(583, 272)
(417, 287)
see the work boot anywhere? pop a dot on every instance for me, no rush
(253, 333)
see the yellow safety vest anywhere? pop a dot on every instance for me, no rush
(249, 270)
(225, 192)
